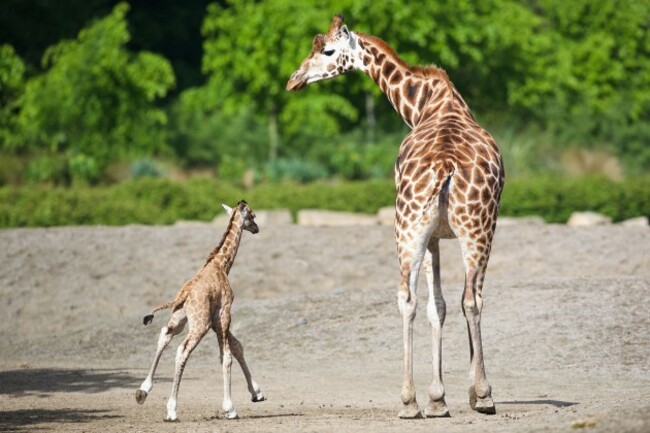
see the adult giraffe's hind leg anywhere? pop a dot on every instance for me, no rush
(407, 303)
(411, 255)
(436, 312)
(480, 391)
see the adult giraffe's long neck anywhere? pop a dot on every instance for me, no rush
(224, 254)
(415, 92)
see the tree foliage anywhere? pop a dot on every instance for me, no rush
(543, 75)
(251, 49)
(580, 69)
(95, 100)
(588, 76)
(12, 71)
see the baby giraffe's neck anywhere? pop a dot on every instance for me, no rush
(224, 254)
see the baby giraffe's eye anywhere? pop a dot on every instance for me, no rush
(328, 52)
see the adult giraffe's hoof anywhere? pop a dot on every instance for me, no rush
(410, 411)
(258, 398)
(437, 409)
(481, 404)
(140, 396)
(169, 419)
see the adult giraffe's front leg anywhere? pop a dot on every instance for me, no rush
(436, 312)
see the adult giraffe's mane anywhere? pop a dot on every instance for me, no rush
(431, 71)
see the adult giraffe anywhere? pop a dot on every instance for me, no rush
(449, 176)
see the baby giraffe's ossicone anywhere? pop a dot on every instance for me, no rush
(204, 303)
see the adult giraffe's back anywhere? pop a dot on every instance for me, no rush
(449, 177)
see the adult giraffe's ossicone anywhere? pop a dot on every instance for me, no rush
(449, 177)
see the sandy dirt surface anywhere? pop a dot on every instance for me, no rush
(566, 328)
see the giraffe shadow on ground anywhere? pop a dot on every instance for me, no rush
(46, 382)
(556, 403)
(265, 416)
(18, 420)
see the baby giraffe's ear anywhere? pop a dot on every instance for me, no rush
(227, 208)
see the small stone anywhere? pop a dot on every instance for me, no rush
(302, 321)
(588, 219)
(584, 423)
(316, 217)
(191, 223)
(635, 222)
(516, 221)
(386, 216)
(338, 291)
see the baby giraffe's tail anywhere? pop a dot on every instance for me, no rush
(180, 299)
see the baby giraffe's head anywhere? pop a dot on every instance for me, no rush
(332, 54)
(247, 215)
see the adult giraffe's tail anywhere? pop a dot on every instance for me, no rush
(438, 187)
(180, 299)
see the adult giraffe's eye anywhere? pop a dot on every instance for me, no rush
(328, 52)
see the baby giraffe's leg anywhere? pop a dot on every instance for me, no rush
(222, 330)
(199, 324)
(174, 327)
(238, 352)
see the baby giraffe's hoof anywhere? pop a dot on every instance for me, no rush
(232, 414)
(140, 396)
(481, 404)
(410, 411)
(168, 419)
(437, 409)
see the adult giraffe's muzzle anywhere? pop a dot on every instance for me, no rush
(297, 81)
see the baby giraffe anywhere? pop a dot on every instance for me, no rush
(204, 302)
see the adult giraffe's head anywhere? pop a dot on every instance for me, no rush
(332, 54)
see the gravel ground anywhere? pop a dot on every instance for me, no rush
(565, 329)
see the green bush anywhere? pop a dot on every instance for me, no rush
(296, 169)
(556, 198)
(161, 201)
(46, 169)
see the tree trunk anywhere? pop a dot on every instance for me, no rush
(274, 139)
(371, 120)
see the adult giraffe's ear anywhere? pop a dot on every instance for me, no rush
(349, 37)
(227, 208)
(345, 31)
